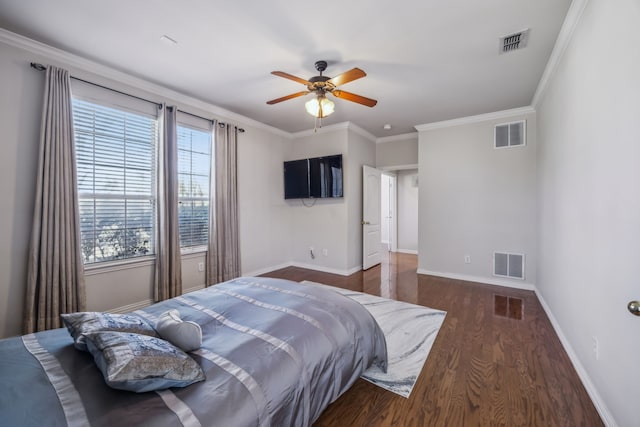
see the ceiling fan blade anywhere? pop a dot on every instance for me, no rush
(354, 98)
(347, 77)
(290, 77)
(285, 98)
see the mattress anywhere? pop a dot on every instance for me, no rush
(274, 353)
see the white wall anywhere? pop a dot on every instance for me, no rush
(265, 236)
(589, 203)
(20, 106)
(361, 151)
(407, 210)
(401, 152)
(264, 216)
(323, 225)
(331, 224)
(474, 200)
(400, 155)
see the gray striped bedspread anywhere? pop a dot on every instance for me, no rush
(274, 352)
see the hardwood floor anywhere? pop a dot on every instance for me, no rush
(496, 361)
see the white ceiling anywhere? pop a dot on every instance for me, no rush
(426, 60)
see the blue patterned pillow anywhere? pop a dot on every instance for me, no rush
(79, 324)
(141, 363)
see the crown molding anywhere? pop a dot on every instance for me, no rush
(357, 129)
(333, 128)
(71, 60)
(476, 119)
(394, 168)
(564, 37)
(401, 137)
(324, 129)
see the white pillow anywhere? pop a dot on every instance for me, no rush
(184, 334)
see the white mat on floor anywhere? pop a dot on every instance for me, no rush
(410, 331)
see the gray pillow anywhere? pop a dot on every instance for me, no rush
(141, 363)
(79, 324)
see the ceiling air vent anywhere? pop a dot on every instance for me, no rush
(512, 134)
(514, 41)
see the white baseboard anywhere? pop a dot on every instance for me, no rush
(132, 307)
(601, 407)
(193, 288)
(327, 269)
(266, 269)
(407, 251)
(353, 270)
(478, 279)
(146, 303)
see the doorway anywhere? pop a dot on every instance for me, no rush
(388, 208)
(390, 213)
(399, 210)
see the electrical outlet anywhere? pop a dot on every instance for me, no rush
(467, 259)
(325, 252)
(596, 347)
(201, 266)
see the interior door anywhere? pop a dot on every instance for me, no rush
(371, 240)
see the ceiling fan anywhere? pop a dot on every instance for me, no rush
(320, 106)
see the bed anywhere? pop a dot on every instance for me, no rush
(274, 353)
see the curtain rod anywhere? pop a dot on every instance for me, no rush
(41, 67)
(204, 118)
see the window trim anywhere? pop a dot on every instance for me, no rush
(118, 265)
(185, 250)
(194, 250)
(98, 267)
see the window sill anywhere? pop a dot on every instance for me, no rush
(125, 264)
(118, 265)
(193, 252)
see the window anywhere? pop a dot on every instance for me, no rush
(116, 158)
(194, 163)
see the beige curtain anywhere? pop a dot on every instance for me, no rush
(55, 278)
(168, 277)
(223, 256)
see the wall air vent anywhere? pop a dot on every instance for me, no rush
(508, 265)
(514, 41)
(512, 134)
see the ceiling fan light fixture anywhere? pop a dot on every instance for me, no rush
(319, 106)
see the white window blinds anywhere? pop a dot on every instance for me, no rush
(194, 163)
(116, 158)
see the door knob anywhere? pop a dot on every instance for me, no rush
(365, 222)
(634, 307)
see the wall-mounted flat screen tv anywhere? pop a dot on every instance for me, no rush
(318, 177)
